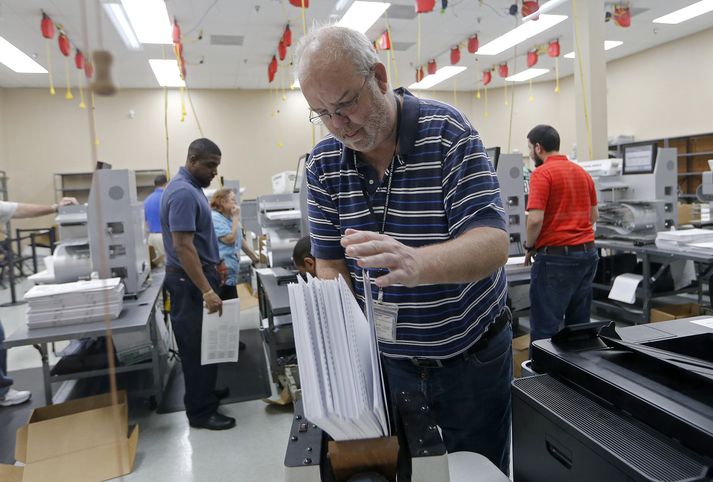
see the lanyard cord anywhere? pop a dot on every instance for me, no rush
(391, 172)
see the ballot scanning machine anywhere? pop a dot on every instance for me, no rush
(415, 454)
(637, 194)
(617, 404)
(106, 235)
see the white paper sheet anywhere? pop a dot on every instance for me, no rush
(220, 337)
(707, 322)
(342, 386)
(624, 287)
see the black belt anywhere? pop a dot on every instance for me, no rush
(493, 330)
(179, 270)
(577, 248)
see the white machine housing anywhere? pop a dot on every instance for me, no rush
(636, 204)
(512, 192)
(117, 237)
(280, 217)
(283, 182)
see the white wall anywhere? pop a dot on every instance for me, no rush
(664, 91)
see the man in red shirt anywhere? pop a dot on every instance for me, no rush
(562, 208)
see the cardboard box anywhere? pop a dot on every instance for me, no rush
(685, 213)
(520, 353)
(673, 312)
(83, 440)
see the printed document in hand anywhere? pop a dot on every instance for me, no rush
(340, 369)
(220, 338)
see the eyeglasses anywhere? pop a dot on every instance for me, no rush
(343, 110)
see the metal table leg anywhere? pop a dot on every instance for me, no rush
(156, 359)
(42, 348)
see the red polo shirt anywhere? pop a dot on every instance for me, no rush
(566, 193)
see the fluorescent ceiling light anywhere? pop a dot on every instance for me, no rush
(608, 45)
(520, 34)
(149, 19)
(17, 60)
(686, 13)
(441, 74)
(166, 72)
(526, 75)
(118, 17)
(340, 5)
(362, 15)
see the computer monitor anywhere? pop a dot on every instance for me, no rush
(493, 154)
(299, 173)
(639, 158)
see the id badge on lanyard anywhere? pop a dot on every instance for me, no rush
(385, 316)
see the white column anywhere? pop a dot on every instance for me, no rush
(590, 79)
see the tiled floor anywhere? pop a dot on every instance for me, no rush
(169, 450)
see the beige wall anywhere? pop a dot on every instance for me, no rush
(664, 91)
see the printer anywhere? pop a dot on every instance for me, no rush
(625, 404)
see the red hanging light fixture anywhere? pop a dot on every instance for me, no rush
(287, 36)
(553, 48)
(88, 69)
(384, 42)
(487, 77)
(455, 55)
(63, 42)
(300, 3)
(532, 57)
(622, 16)
(47, 26)
(47, 29)
(281, 50)
(432, 67)
(530, 7)
(176, 32)
(272, 67)
(79, 60)
(503, 69)
(425, 6)
(473, 44)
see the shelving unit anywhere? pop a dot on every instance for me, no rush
(77, 184)
(693, 154)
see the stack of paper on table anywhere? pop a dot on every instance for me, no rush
(690, 240)
(339, 365)
(71, 303)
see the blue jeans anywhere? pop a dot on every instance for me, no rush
(5, 381)
(469, 397)
(561, 291)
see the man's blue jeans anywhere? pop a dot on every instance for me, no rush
(469, 397)
(5, 381)
(561, 291)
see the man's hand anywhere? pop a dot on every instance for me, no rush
(67, 201)
(528, 258)
(373, 250)
(213, 303)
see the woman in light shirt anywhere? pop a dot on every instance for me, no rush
(226, 222)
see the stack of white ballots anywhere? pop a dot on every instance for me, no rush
(72, 303)
(698, 241)
(339, 365)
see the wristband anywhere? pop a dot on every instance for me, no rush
(207, 293)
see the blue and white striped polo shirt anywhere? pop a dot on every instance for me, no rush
(443, 185)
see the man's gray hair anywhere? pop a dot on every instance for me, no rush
(333, 43)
